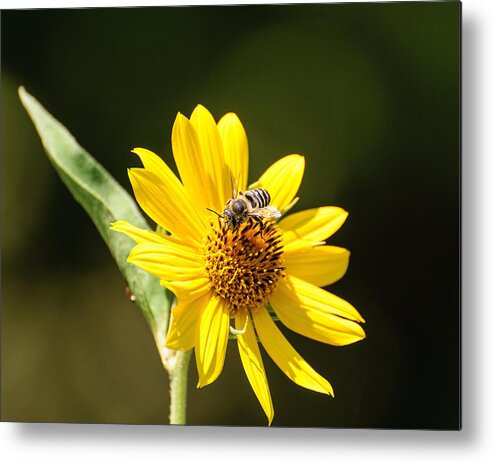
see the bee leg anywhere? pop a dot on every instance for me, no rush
(260, 222)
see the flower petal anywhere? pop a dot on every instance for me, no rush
(322, 265)
(211, 147)
(170, 261)
(198, 154)
(185, 317)
(286, 357)
(153, 163)
(188, 159)
(253, 365)
(211, 340)
(142, 236)
(188, 289)
(316, 313)
(235, 148)
(282, 179)
(313, 225)
(167, 204)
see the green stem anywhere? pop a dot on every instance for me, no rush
(178, 388)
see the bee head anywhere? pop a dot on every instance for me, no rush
(230, 217)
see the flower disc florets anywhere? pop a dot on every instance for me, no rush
(244, 263)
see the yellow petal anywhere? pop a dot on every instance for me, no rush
(282, 179)
(285, 356)
(211, 340)
(167, 204)
(137, 234)
(313, 225)
(322, 265)
(198, 154)
(316, 313)
(253, 365)
(153, 163)
(185, 317)
(213, 159)
(190, 163)
(142, 236)
(170, 261)
(188, 289)
(235, 147)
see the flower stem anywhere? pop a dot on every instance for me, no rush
(178, 377)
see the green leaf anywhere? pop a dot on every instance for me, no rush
(105, 201)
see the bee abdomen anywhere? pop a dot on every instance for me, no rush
(258, 198)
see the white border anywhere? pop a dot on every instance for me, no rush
(54, 442)
(19, 4)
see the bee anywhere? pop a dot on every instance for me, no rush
(253, 203)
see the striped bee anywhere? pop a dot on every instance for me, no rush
(253, 203)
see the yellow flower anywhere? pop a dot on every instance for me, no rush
(224, 275)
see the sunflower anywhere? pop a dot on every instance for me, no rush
(237, 280)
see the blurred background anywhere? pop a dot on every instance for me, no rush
(369, 93)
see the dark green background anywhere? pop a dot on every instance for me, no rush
(369, 93)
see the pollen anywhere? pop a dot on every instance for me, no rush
(244, 263)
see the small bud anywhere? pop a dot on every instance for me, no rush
(129, 294)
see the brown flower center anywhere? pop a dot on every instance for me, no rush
(244, 263)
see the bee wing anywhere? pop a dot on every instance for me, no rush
(266, 212)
